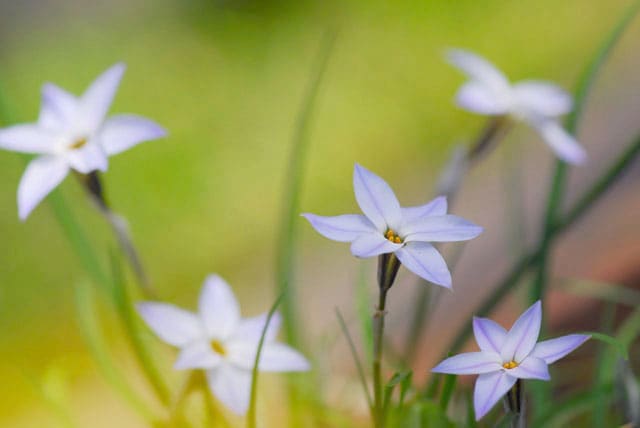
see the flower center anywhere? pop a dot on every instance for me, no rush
(510, 365)
(218, 347)
(392, 236)
(80, 142)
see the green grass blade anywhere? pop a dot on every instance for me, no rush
(607, 292)
(90, 330)
(128, 317)
(356, 358)
(363, 309)
(294, 178)
(621, 347)
(559, 414)
(447, 391)
(251, 414)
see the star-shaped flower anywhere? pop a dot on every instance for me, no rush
(219, 341)
(535, 102)
(386, 227)
(72, 133)
(505, 357)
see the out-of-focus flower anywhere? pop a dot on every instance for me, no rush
(537, 103)
(72, 133)
(505, 357)
(222, 343)
(386, 227)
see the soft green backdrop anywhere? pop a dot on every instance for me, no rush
(226, 79)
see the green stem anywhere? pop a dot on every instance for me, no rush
(388, 265)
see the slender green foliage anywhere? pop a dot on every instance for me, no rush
(251, 414)
(356, 358)
(90, 330)
(127, 315)
(293, 190)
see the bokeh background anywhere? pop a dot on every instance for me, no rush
(227, 78)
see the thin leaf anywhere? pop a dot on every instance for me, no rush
(397, 378)
(447, 391)
(128, 317)
(618, 344)
(90, 330)
(613, 293)
(251, 414)
(363, 309)
(560, 413)
(356, 358)
(293, 190)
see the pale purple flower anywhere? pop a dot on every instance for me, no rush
(538, 103)
(506, 356)
(72, 133)
(386, 227)
(217, 340)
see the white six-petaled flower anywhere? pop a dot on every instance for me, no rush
(386, 227)
(219, 341)
(505, 357)
(72, 133)
(538, 103)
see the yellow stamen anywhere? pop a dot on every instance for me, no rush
(78, 143)
(218, 347)
(510, 365)
(392, 236)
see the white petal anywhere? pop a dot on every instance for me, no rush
(59, 108)
(437, 206)
(565, 146)
(197, 355)
(470, 363)
(523, 335)
(124, 131)
(553, 349)
(376, 199)
(542, 98)
(98, 97)
(218, 308)
(425, 261)
(480, 98)
(42, 175)
(27, 138)
(372, 244)
(343, 228)
(232, 386)
(443, 228)
(250, 329)
(531, 368)
(173, 325)
(88, 158)
(479, 69)
(489, 389)
(489, 335)
(277, 357)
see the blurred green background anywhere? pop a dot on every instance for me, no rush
(226, 78)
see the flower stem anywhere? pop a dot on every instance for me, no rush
(514, 405)
(388, 265)
(93, 185)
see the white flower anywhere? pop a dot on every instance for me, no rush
(219, 341)
(72, 133)
(537, 103)
(506, 356)
(386, 227)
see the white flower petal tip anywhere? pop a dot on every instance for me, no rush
(343, 228)
(505, 357)
(218, 340)
(42, 175)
